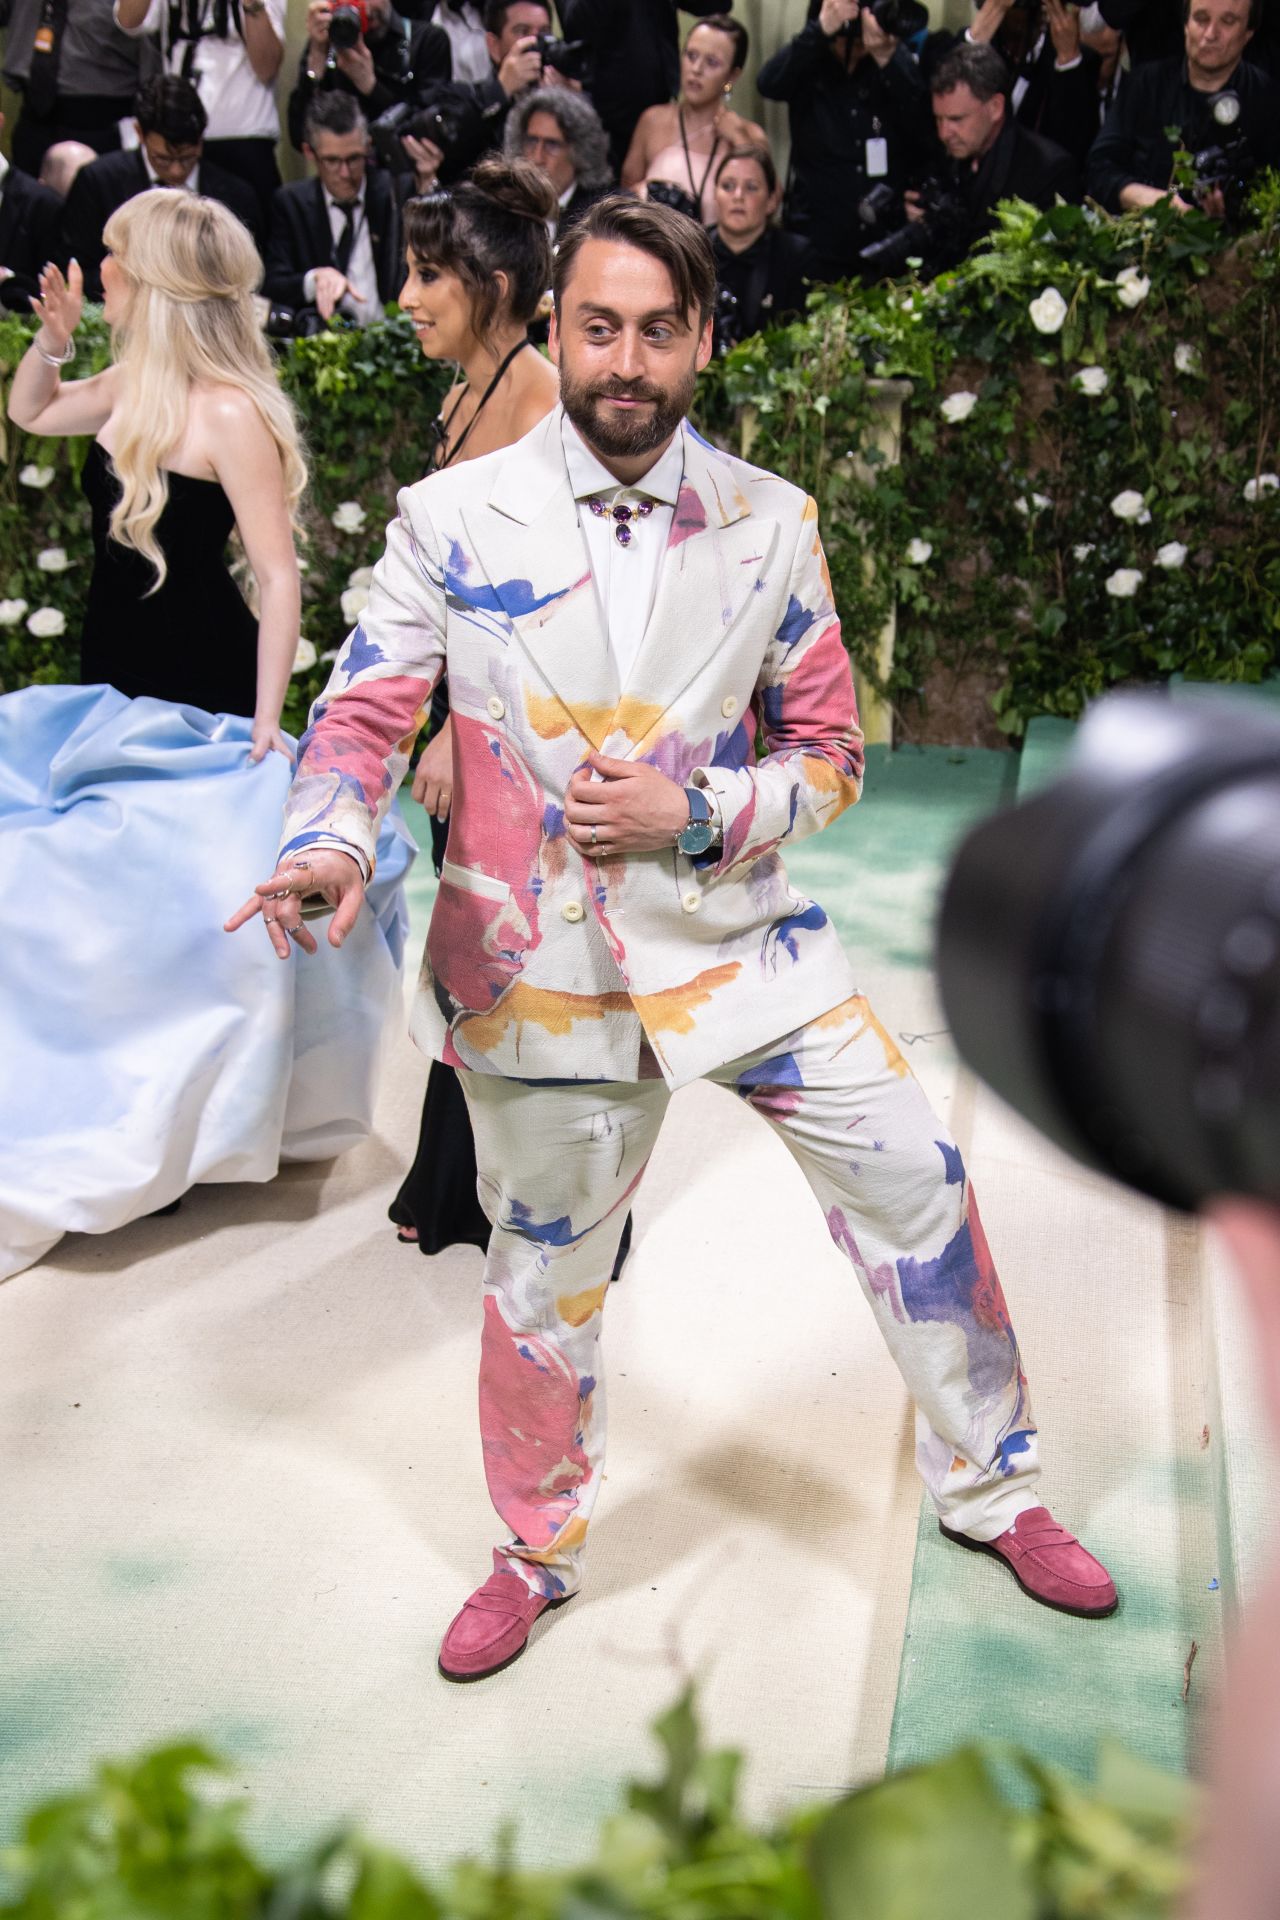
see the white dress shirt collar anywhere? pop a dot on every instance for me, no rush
(588, 474)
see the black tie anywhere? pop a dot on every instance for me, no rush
(346, 240)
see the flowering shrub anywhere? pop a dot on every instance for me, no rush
(1087, 492)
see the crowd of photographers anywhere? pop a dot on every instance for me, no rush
(902, 140)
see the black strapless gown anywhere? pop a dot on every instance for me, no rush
(194, 641)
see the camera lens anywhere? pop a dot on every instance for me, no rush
(1108, 951)
(344, 28)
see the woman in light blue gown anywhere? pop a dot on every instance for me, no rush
(142, 1050)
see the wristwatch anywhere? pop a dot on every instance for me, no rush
(698, 835)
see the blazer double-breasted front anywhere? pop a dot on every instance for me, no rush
(543, 963)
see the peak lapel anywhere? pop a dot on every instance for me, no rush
(534, 564)
(716, 554)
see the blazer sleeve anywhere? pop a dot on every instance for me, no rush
(804, 700)
(84, 214)
(284, 271)
(362, 728)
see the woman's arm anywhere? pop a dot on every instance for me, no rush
(636, 164)
(262, 43)
(234, 437)
(39, 401)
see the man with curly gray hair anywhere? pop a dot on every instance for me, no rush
(560, 133)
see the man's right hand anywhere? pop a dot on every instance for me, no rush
(835, 15)
(319, 14)
(912, 207)
(522, 67)
(321, 870)
(331, 287)
(427, 160)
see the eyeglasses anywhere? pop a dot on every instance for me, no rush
(341, 162)
(534, 143)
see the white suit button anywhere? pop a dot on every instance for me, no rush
(728, 706)
(691, 902)
(573, 911)
(496, 709)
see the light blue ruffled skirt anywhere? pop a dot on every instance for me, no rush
(141, 1048)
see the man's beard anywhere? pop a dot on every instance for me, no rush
(623, 435)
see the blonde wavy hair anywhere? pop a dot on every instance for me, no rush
(191, 271)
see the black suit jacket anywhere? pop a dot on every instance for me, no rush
(1132, 145)
(30, 221)
(107, 183)
(300, 238)
(406, 66)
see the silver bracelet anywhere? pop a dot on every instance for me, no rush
(57, 359)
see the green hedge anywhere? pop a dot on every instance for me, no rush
(987, 1831)
(1105, 358)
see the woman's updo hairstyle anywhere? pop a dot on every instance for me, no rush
(493, 222)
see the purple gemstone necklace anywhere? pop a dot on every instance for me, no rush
(622, 516)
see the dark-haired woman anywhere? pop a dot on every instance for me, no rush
(760, 270)
(677, 147)
(479, 264)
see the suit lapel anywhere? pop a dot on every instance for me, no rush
(715, 554)
(533, 560)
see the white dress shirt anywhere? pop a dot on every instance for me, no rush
(626, 578)
(362, 272)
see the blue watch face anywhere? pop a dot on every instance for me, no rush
(696, 837)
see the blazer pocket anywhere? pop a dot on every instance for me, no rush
(470, 880)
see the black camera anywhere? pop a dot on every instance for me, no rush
(904, 19)
(937, 238)
(292, 323)
(442, 124)
(725, 327)
(1109, 952)
(347, 25)
(1228, 168)
(568, 57)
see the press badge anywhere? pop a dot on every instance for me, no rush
(877, 157)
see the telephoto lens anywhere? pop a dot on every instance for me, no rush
(1109, 951)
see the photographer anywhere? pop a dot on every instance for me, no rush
(633, 57)
(989, 157)
(523, 54)
(1226, 111)
(1055, 76)
(859, 118)
(559, 132)
(363, 48)
(334, 245)
(760, 270)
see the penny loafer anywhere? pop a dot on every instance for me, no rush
(492, 1628)
(1049, 1564)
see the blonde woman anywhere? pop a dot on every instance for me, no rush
(142, 1057)
(191, 436)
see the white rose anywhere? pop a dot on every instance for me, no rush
(52, 560)
(1171, 555)
(1049, 311)
(1084, 549)
(1092, 380)
(1130, 505)
(1132, 287)
(35, 476)
(349, 516)
(354, 602)
(305, 656)
(1033, 503)
(919, 552)
(957, 407)
(46, 623)
(361, 577)
(1123, 583)
(11, 611)
(1186, 358)
(1265, 483)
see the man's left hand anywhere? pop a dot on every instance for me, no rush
(631, 808)
(1064, 30)
(357, 63)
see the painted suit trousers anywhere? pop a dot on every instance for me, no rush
(558, 1164)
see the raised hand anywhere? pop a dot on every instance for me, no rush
(323, 870)
(1064, 30)
(59, 304)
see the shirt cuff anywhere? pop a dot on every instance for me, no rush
(309, 286)
(1065, 66)
(305, 845)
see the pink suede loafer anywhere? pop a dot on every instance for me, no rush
(492, 1628)
(1049, 1564)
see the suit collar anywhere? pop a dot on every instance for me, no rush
(532, 482)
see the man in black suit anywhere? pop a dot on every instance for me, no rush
(1055, 77)
(170, 119)
(334, 244)
(393, 61)
(989, 156)
(29, 234)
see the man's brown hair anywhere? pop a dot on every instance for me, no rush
(673, 238)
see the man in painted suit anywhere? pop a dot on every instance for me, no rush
(621, 608)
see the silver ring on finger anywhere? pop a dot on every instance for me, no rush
(294, 933)
(268, 920)
(594, 836)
